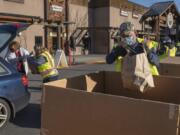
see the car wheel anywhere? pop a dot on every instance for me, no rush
(5, 113)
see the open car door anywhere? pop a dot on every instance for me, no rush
(8, 31)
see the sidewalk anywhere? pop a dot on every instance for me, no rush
(35, 81)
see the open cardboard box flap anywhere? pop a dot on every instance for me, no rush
(170, 66)
(97, 104)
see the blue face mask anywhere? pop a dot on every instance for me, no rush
(129, 41)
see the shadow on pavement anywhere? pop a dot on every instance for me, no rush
(30, 117)
(32, 88)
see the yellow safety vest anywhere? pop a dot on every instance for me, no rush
(178, 44)
(169, 53)
(172, 52)
(154, 70)
(155, 44)
(150, 45)
(118, 63)
(140, 40)
(47, 69)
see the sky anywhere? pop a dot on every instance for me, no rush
(148, 3)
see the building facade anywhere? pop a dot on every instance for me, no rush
(66, 15)
(97, 17)
(109, 14)
(162, 19)
(26, 11)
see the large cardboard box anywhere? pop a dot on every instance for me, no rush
(170, 66)
(97, 104)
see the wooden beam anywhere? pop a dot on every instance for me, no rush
(163, 25)
(16, 19)
(163, 18)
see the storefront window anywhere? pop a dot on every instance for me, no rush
(38, 40)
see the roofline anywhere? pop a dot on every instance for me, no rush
(168, 8)
(173, 3)
(162, 2)
(138, 4)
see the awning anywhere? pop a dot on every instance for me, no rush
(6, 17)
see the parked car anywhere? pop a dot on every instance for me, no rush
(14, 95)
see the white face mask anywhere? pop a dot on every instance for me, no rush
(130, 40)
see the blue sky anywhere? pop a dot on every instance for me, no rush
(148, 3)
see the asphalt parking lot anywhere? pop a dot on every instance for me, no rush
(28, 121)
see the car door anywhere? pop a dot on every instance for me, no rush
(4, 84)
(7, 33)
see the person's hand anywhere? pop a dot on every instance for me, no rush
(120, 51)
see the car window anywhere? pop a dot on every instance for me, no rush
(3, 70)
(4, 37)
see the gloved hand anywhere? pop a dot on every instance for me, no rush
(161, 51)
(120, 51)
(115, 53)
(153, 58)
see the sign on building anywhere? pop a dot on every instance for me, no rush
(135, 15)
(56, 8)
(170, 20)
(123, 13)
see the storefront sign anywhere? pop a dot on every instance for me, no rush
(53, 34)
(56, 8)
(170, 20)
(123, 13)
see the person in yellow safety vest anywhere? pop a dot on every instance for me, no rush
(119, 59)
(152, 45)
(153, 68)
(45, 64)
(172, 52)
(169, 48)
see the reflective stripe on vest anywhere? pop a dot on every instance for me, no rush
(47, 69)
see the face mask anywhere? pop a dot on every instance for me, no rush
(129, 40)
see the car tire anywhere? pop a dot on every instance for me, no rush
(5, 113)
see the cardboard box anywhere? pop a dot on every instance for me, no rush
(97, 104)
(170, 66)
